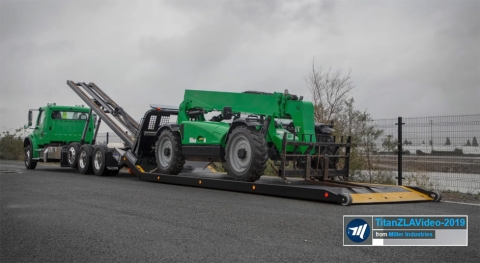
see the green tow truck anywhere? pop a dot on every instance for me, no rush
(58, 134)
(243, 131)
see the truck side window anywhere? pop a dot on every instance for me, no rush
(57, 115)
(41, 116)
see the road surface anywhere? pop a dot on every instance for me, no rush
(55, 214)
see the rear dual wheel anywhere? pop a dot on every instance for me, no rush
(72, 155)
(85, 159)
(99, 162)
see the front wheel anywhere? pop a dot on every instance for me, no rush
(29, 162)
(168, 152)
(246, 154)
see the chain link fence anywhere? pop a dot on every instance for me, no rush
(439, 152)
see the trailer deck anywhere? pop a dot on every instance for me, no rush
(199, 174)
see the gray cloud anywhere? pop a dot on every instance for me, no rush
(408, 58)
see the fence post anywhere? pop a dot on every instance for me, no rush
(400, 150)
(107, 137)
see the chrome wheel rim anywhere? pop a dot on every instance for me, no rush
(98, 160)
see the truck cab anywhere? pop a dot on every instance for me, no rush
(54, 128)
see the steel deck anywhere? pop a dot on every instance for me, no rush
(196, 174)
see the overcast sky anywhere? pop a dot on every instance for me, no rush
(408, 58)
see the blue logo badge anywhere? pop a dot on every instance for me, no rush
(358, 230)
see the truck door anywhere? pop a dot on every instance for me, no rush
(39, 130)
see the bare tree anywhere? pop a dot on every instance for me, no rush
(330, 90)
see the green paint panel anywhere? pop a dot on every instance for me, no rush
(274, 105)
(60, 125)
(197, 133)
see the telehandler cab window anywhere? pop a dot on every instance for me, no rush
(69, 115)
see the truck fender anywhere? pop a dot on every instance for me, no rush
(30, 141)
(33, 143)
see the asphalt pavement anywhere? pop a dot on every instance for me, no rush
(55, 214)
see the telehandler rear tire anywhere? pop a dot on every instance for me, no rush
(332, 162)
(246, 154)
(168, 153)
(332, 151)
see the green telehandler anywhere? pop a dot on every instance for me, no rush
(251, 128)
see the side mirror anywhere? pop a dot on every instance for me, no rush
(29, 118)
(227, 113)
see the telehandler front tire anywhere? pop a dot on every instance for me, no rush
(168, 153)
(246, 154)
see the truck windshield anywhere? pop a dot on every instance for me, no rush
(69, 115)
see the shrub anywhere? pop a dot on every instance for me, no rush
(11, 146)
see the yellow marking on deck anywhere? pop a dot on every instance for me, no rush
(211, 168)
(388, 197)
(140, 169)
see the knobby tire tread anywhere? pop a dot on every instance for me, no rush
(259, 154)
(178, 159)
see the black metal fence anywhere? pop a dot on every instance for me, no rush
(440, 153)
